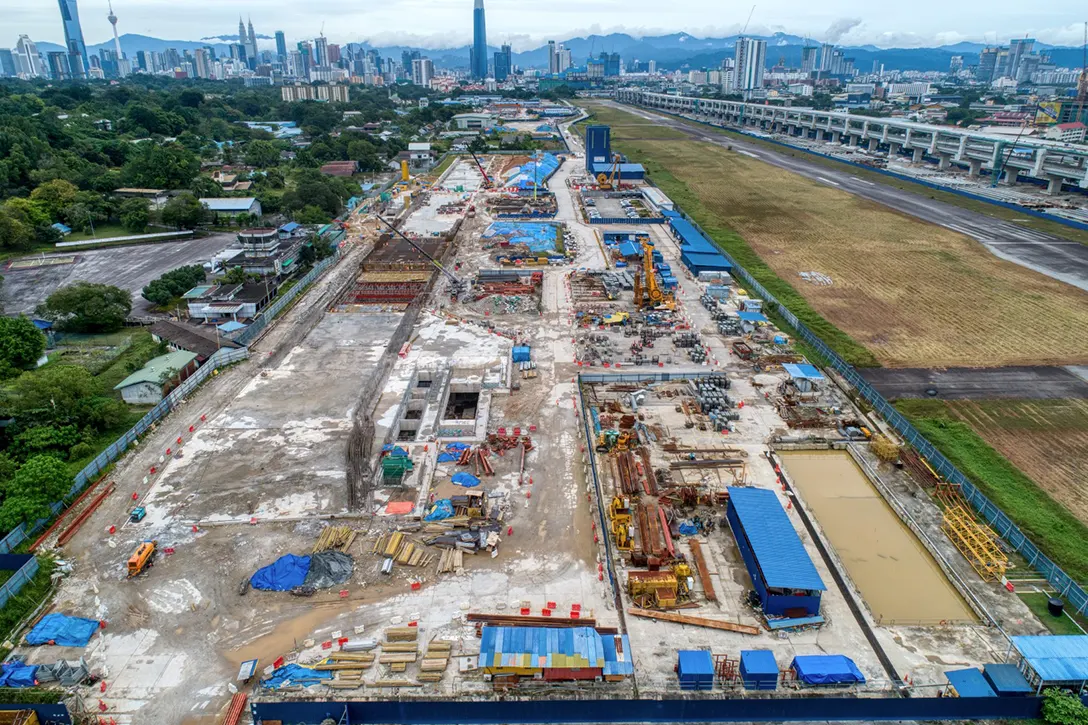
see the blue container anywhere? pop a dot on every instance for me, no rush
(621, 265)
(758, 669)
(695, 668)
(520, 353)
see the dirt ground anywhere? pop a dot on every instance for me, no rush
(915, 294)
(1046, 439)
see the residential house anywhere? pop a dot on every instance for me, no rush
(220, 303)
(181, 337)
(149, 384)
(266, 252)
(340, 168)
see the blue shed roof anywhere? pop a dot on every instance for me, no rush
(1055, 658)
(970, 683)
(290, 227)
(1006, 679)
(758, 662)
(540, 647)
(803, 371)
(687, 232)
(630, 249)
(695, 662)
(705, 261)
(618, 659)
(753, 317)
(778, 549)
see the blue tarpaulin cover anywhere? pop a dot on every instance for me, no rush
(752, 317)
(17, 674)
(827, 670)
(63, 631)
(456, 446)
(442, 509)
(447, 457)
(398, 452)
(465, 479)
(688, 529)
(295, 675)
(284, 574)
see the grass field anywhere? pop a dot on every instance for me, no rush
(909, 292)
(1064, 624)
(1047, 522)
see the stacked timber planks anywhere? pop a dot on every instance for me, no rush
(402, 550)
(435, 661)
(450, 561)
(339, 538)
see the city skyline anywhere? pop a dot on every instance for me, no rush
(527, 27)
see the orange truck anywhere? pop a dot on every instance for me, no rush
(142, 558)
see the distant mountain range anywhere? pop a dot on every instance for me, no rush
(676, 50)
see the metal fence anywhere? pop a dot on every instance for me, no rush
(263, 320)
(25, 567)
(625, 220)
(1010, 532)
(94, 469)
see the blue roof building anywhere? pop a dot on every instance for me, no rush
(554, 653)
(969, 683)
(1049, 660)
(781, 570)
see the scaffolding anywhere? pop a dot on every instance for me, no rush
(978, 543)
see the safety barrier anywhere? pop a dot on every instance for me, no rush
(625, 220)
(90, 472)
(998, 520)
(25, 567)
(782, 708)
(263, 320)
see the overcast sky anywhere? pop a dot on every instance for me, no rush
(525, 24)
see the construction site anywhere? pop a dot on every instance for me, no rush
(487, 457)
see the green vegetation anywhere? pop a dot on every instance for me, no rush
(1037, 602)
(1061, 707)
(172, 285)
(88, 307)
(27, 600)
(21, 345)
(1059, 534)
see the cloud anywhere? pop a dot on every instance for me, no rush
(839, 28)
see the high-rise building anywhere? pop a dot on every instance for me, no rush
(333, 53)
(281, 46)
(73, 39)
(838, 63)
(553, 58)
(564, 59)
(59, 70)
(751, 57)
(294, 64)
(987, 64)
(202, 63)
(307, 59)
(808, 58)
(651, 67)
(955, 64)
(611, 64)
(321, 51)
(1019, 49)
(1001, 66)
(502, 63)
(479, 41)
(422, 71)
(251, 46)
(7, 63)
(28, 60)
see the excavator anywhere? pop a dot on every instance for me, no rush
(142, 558)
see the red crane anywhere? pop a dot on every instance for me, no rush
(487, 179)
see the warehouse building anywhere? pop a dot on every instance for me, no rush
(1048, 661)
(599, 157)
(696, 251)
(784, 577)
(553, 653)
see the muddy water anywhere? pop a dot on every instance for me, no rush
(898, 578)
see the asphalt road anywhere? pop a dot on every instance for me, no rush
(1062, 259)
(977, 383)
(129, 268)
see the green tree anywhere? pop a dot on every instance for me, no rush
(28, 494)
(14, 234)
(1063, 708)
(134, 214)
(173, 284)
(170, 166)
(56, 390)
(262, 153)
(88, 307)
(184, 211)
(31, 213)
(477, 145)
(21, 345)
(45, 439)
(53, 196)
(234, 275)
(205, 187)
(311, 214)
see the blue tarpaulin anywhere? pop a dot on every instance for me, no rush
(456, 446)
(447, 457)
(465, 479)
(295, 675)
(17, 674)
(537, 236)
(688, 529)
(827, 670)
(442, 509)
(284, 574)
(63, 631)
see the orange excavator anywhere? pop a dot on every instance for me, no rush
(142, 558)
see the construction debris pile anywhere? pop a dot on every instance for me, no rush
(542, 205)
(506, 291)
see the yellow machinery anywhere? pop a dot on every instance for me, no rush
(142, 558)
(655, 295)
(623, 442)
(616, 318)
(653, 589)
(619, 511)
(682, 570)
(403, 170)
(611, 180)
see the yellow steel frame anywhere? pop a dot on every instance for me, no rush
(976, 542)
